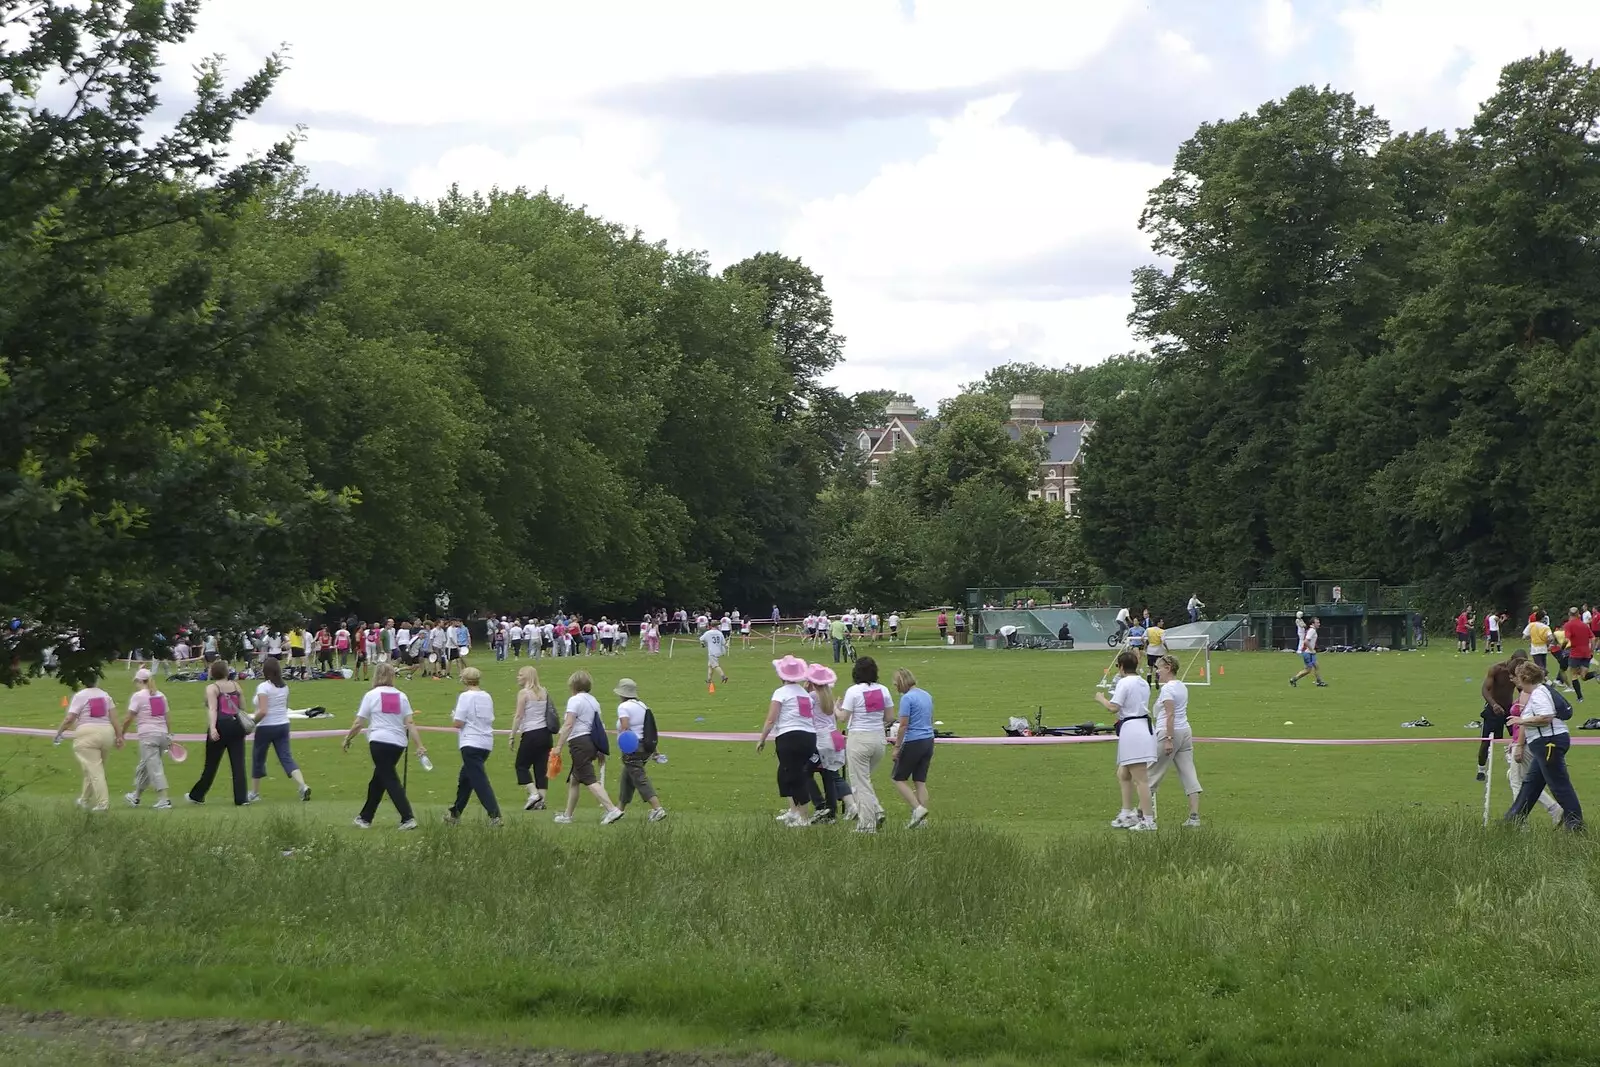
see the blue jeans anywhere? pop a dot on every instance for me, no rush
(1549, 770)
(277, 739)
(838, 646)
(1194, 614)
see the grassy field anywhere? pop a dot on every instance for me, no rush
(1341, 905)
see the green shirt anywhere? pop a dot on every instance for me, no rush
(836, 629)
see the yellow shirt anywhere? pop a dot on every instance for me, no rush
(1153, 640)
(1538, 635)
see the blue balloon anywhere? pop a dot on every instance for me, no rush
(628, 741)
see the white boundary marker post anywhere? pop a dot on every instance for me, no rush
(1488, 782)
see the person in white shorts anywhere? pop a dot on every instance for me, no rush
(1136, 743)
(1174, 739)
(716, 646)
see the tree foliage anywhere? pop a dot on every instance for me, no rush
(1371, 353)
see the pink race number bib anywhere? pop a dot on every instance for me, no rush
(874, 700)
(805, 707)
(389, 703)
(158, 707)
(99, 708)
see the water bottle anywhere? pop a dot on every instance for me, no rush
(427, 764)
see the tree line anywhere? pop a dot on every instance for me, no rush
(232, 397)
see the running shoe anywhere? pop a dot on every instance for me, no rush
(612, 816)
(132, 799)
(1193, 820)
(451, 818)
(563, 818)
(409, 824)
(1124, 821)
(161, 805)
(919, 815)
(361, 824)
(657, 814)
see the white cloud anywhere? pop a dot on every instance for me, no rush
(1181, 51)
(613, 169)
(1432, 62)
(911, 259)
(1276, 29)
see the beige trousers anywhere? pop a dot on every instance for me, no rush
(150, 774)
(91, 743)
(1181, 756)
(863, 751)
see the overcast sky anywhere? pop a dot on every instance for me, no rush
(966, 175)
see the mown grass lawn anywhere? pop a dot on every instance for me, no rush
(1341, 905)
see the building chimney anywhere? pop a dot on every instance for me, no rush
(901, 408)
(1027, 408)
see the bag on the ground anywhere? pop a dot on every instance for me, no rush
(552, 718)
(1563, 706)
(649, 736)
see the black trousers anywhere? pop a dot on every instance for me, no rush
(232, 743)
(1549, 770)
(474, 779)
(533, 758)
(385, 779)
(797, 755)
(1492, 726)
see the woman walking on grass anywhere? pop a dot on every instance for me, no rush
(1544, 743)
(148, 708)
(867, 710)
(1136, 744)
(474, 718)
(577, 734)
(225, 734)
(830, 747)
(1174, 739)
(91, 716)
(272, 732)
(913, 745)
(533, 733)
(386, 713)
(791, 716)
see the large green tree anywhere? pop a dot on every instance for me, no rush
(126, 504)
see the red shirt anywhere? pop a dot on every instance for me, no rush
(1462, 626)
(1580, 639)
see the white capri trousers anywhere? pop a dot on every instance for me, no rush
(1182, 756)
(150, 774)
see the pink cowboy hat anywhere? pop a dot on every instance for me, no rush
(790, 668)
(818, 674)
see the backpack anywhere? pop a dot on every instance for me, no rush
(597, 734)
(648, 735)
(1563, 707)
(552, 719)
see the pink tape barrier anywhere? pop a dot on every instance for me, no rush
(24, 731)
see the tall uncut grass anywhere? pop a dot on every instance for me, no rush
(1384, 942)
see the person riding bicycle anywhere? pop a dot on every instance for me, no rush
(1123, 621)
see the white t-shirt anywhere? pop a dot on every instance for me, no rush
(1308, 640)
(1494, 623)
(726, 624)
(796, 711)
(585, 707)
(633, 712)
(386, 710)
(701, 621)
(474, 715)
(1131, 695)
(715, 643)
(867, 704)
(516, 632)
(1178, 693)
(1122, 616)
(277, 709)
(1541, 703)
(402, 637)
(894, 622)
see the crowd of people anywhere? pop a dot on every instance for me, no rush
(828, 747)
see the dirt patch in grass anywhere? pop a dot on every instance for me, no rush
(193, 1043)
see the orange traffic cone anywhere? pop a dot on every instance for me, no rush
(63, 701)
(1221, 671)
(710, 688)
